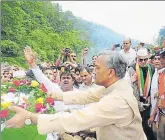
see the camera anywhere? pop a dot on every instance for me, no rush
(67, 51)
(117, 45)
(63, 68)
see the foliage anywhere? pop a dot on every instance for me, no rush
(18, 61)
(47, 29)
(26, 133)
(41, 25)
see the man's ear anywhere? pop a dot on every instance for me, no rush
(111, 73)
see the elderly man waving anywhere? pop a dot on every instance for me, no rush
(115, 112)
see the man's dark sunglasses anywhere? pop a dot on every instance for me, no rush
(141, 60)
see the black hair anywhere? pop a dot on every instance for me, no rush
(77, 70)
(67, 73)
(53, 67)
(94, 56)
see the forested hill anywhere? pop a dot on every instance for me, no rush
(101, 36)
(47, 29)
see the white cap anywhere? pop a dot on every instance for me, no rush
(142, 52)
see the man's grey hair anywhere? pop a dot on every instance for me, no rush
(116, 61)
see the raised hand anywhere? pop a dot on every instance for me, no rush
(30, 57)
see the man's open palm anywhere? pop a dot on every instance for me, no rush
(30, 57)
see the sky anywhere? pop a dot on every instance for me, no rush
(139, 20)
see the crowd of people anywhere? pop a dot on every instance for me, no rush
(120, 92)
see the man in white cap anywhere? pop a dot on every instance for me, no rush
(141, 74)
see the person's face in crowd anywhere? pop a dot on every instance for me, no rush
(93, 71)
(156, 62)
(6, 73)
(151, 61)
(162, 61)
(78, 77)
(66, 82)
(126, 44)
(49, 74)
(6, 76)
(73, 55)
(142, 60)
(94, 58)
(86, 77)
(55, 72)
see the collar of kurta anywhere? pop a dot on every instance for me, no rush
(115, 85)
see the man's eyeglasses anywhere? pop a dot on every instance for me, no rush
(125, 43)
(73, 55)
(141, 60)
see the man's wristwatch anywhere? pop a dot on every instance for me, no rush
(28, 120)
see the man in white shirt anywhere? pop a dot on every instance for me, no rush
(154, 83)
(128, 51)
(88, 81)
(154, 90)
